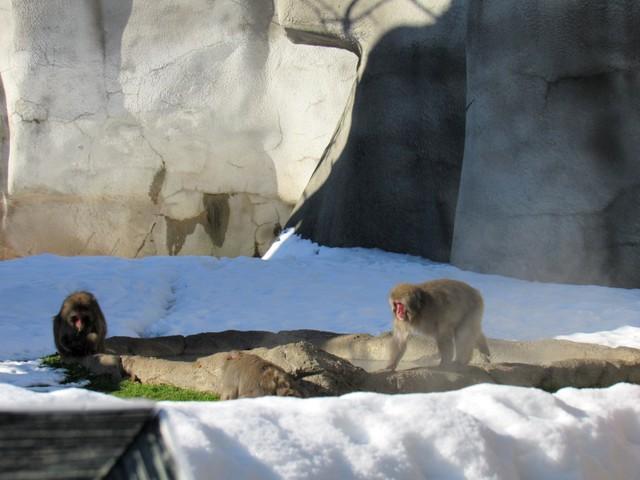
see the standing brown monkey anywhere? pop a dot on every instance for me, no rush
(247, 375)
(449, 310)
(79, 328)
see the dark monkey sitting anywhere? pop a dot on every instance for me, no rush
(448, 310)
(79, 328)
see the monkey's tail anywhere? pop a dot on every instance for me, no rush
(482, 345)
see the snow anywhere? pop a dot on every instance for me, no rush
(485, 431)
(32, 374)
(301, 285)
(620, 337)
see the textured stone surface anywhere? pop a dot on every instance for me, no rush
(158, 127)
(327, 363)
(318, 372)
(500, 136)
(303, 360)
(362, 348)
(550, 183)
(151, 347)
(390, 177)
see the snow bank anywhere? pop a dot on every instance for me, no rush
(484, 431)
(19, 399)
(620, 337)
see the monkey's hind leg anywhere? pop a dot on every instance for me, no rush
(445, 347)
(466, 337)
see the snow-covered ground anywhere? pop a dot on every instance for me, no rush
(484, 431)
(301, 285)
(480, 432)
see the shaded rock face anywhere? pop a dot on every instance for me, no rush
(545, 110)
(390, 178)
(317, 363)
(549, 185)
(158, 128)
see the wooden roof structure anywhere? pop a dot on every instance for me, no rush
(89, 444)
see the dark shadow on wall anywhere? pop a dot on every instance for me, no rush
(550, 184)
(614, 142)
(394, 186)
(604, 135)
(112, 19)
(622, 228)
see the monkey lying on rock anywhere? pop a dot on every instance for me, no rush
(245, 375)
(449, 310)
(79, 328)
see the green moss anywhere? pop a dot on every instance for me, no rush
(75, 373)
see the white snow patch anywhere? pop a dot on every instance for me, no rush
(21, 399)
(34, 375)
(620, 337)
(484, 431)
(302, 285)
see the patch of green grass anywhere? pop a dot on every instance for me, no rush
(129, 389)
(124, 388)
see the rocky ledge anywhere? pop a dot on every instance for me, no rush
(326, 363)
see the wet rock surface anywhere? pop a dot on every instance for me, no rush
(326, 363)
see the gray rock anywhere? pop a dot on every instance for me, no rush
(193, 135)
(550, 181)
(424, 380)
(319, 372)
(588, 373)
(303, 360)
(326, 363)
(202, 375)
(151, 347)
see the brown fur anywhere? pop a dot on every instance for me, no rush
(79, 328)
(448, 310)
(245, 375)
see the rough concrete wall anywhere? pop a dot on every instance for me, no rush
(160, 127)
(4, 143)
(390, 177)
(5, 35)
(4, 134)
(550, 187)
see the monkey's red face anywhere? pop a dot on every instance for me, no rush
(399, 311)
(79, 320)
